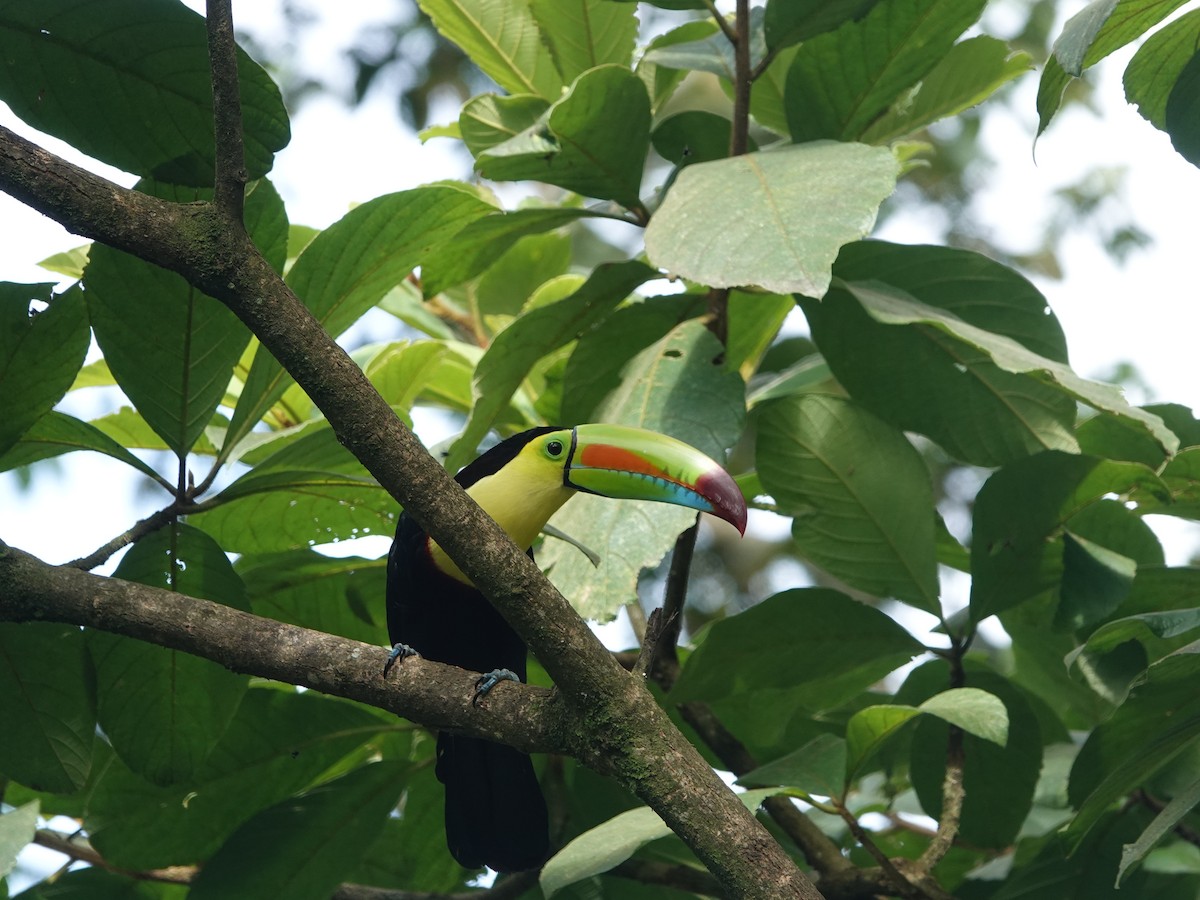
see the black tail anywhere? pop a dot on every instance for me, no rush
(495, 812)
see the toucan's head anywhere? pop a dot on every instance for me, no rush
(522, 481)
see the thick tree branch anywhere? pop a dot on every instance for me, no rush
(620, 721)
(425, 692)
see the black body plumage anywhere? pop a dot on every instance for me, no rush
(495, 812)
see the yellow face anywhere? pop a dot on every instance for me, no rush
(522, 496)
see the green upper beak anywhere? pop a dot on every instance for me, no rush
(635, 464)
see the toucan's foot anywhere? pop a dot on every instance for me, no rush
(489, 680)
(400, 652)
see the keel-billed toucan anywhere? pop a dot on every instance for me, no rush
(495, 813)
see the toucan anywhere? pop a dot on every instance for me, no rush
(495, 812)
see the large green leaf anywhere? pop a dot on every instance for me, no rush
(350, 266)
(40, 353)
(277, 744)
(491, 119)
(485, 240)
(517, 349)
(164, 710)
(794, 21)
(574, 145)
(305, 846)
(172, 348)
(749, 220)
(47, 704)
(503, 38)
(859, 491)
(131, 87)
(970, 72)
(674, 387)
(842, 81)
(436, 371)
(1159, 720)
(1164, 823)
(1183, 111)
(1016, 547)
(814, 639)
(819, 767)
(56, 433)
(311, 491)
(302, 587)
(1154, 70)
(922, 379)
(1090, 35)
(97, 884)
(584, 34)
(894, 306)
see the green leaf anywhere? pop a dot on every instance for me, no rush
(573, 145)
(437, 371)
(610, 844)
(1152, 74)
(1159, 719)
(164, 710)
(662, 81)
(312, 491)
(503, 38)
(1143, 627)
(1019, 516)
(301, 587)
(1095, 580)
(819, 767)
(842, 81)
(491, 119)
(350, 266)
(867, 730)
(594, 368)
(90, 80)
(712, 53)
(675, 387)
(852, 481)
(584, 34)
(517, 349)
(508, 284)
(1166, 820)
(278, 743)
(790, 22)
(894, 306)
(47, 704)
(919, 378)
(16, 832)
(815, 639)
(1090, 35)
(748, 220)
(70, 263)
(305, 846)
(172, 348)
(693, 136)
(969, 73)
(974, 711)
(484, 241)
(56, 433)
(1183, 112)
(40, 353)
(767, 104)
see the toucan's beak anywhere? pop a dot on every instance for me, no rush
(635, 464)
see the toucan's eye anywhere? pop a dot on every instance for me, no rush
(554, 449)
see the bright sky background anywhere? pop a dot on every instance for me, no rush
(1142, 312)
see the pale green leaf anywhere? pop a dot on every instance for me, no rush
(503, 38)
(749, 220)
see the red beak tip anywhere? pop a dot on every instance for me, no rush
(726, 498)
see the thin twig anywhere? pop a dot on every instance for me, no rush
(82, 851)
(903, 886)
(665, 662)
(140, 529)
(739, 136)
(721, 22)
(230, 176)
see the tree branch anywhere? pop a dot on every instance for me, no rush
(230, 177)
